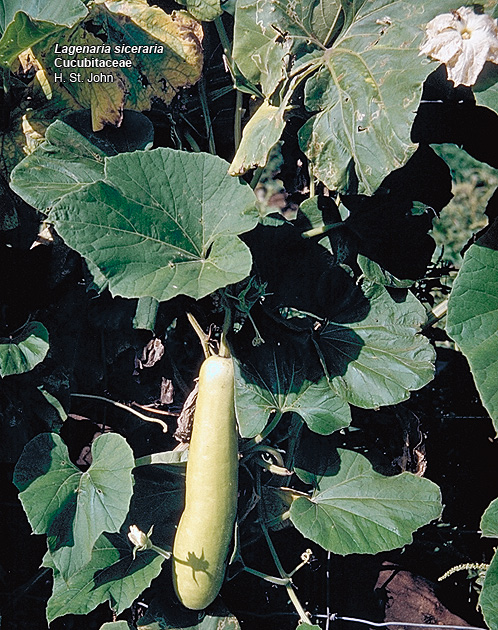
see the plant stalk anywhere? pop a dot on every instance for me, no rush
(125, 407)
(237, 124)
(253, 442)
(303, 617)
(207, 116)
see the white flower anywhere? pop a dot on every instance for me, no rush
(139, 540)
(463, 40)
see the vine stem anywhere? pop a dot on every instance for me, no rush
(230, 62)
(303, 617)
(225, 42)
(268, 578)
(207, 116)
(258, 172)
(161, 552)
(251, 444)
(437, 313)
(125, 407)
(237, 124)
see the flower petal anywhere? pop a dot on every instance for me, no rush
(463, 41)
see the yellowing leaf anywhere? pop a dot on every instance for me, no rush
(463, 40)
(156, 75)
(163, 53)
(105, 99)
(33, 137)
(28, 125)
(28, 64)
(261, 133)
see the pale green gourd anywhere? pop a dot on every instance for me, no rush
(205, 530)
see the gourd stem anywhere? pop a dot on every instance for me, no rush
(320, 231)
(258, 172)
(203, 338)
(224, 349)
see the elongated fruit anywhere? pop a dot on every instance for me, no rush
(205, 530)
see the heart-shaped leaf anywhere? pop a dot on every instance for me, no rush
(489, 520)
(64, 163)
(73, 507)
(363, 73)
(488, 599)
(281, 389)
(112, 575)
(354, 509)
(379, 358)
(473, 320)
(158, 500)
(22, 353)
(266, 32)
(162, 223)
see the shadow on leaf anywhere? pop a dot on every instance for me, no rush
(60, 530)
(123, 566)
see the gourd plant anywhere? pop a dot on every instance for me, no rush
(323, 314)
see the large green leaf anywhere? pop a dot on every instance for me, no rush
(488, 599)
(379, 358)
(488, 96)
(23, 23)
(266, 32)
(116, 625)
(22, 353)
(486, 87)
(205, 10)
(473, 320)
(162, 223)
(112, 575)
(368, 79)
(283, 389)
(160, 616)
(73, 507)
(64, 163)
(489, 520)
(366, 92)
(354, 509)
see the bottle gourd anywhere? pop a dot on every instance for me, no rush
(205, 530)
